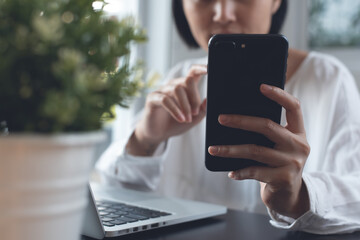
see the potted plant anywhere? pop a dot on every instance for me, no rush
(63, 66)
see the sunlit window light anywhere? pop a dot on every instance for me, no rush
(117, 7)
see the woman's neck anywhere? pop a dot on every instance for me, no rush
(295, 59)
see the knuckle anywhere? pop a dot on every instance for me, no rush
(251, 173)
(306, 149)
(302, 145)
(297, 104)
(178, 89)
(164, 99)
(285, 178)
(189, 80)
(152, 97)
(269, 126)
(297, 164)
(225, 150)
(254, 151)
(195, 102)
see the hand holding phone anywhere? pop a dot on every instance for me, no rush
(237, 66)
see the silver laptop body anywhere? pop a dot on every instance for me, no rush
(177, 211)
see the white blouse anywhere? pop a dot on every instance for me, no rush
(331, 109)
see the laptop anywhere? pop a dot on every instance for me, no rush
(114, 211)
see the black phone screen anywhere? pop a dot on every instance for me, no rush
(237, 65)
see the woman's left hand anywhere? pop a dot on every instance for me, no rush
(282, 187)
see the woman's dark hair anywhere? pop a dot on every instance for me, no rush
(184, 29)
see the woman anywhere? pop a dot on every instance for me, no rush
(317, 191)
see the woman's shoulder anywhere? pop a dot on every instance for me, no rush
(324, 67)
(320, 75)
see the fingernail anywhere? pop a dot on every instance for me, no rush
(231, 175)
(223, 119)
(200, 70)
(203, 68)
(182, 117)
(266, 87)
(213, 150)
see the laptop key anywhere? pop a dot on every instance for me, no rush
(107, 224)
(138, 217)
(148, 214)
(103, 213)
(118, 222)
(143, 211)
(101, 208)
(106, 219)
(126, 219)
(112, 215)
(121, 213)
(109, 210)
(154, 215)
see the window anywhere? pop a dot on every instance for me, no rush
(334, 28)
(155, 17)
(334, 23)
(119, 9)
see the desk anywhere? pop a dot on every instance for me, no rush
(233, 225)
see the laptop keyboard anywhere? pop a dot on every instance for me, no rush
(114, 213)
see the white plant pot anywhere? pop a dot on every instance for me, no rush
(43, 185)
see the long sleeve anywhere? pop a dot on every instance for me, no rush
(332, 172)
(334, 196)
(116, 166)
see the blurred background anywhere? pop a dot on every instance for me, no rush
(329, 26)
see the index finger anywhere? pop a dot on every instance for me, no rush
(197, 70)
(191, 81)
(294, 115)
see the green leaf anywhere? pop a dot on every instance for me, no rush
(66, 65)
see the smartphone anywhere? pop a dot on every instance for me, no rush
(237, 65)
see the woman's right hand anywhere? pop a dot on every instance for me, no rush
(169, 111)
